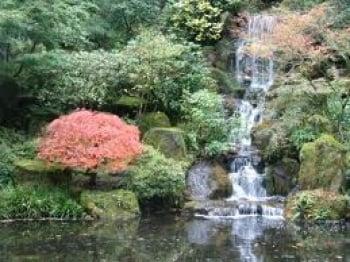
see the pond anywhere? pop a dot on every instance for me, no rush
(169, 238)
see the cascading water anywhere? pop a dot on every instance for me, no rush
(249, 197)
(249, 211)
(255, 71)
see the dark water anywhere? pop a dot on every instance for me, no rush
(172, 239)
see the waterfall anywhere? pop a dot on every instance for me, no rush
(255, 72)
(249, 210)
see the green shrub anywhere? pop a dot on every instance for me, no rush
(301, 4)
(316, 205)
(13, 146)
(161, 70)
(207, 130)
(198, 20)
(233, 6)
(157, 178)
(36, 202)
(63, 81)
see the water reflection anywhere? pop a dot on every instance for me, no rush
(172, 239)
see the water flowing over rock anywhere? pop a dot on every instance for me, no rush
(249, 205)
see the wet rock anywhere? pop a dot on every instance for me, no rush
(317, 204)
(322, 164)
(208, 180)
(115, 205)
(220, 183)
(169, 141)
(281, 176)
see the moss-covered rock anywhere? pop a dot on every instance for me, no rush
(220, 183)
(37, 172)
(169, 141)
(322, 164)
(37, 166)
(117, 204)
(226, 82)
(153, 119)
(130, 102)
(317, 204)
(271, 139)
(281, 176)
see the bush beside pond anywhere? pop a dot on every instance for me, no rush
(312, 205)
(38, 202)
(322, 164)
(157, 179)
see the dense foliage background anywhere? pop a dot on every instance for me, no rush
(166, 65)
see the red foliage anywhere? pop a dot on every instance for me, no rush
(90, 141)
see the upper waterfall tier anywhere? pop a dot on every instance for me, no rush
(255, 66)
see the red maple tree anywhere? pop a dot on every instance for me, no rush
(90, 141)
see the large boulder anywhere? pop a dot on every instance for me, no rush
(311, 205)
(322, 164)
(114, 205)
(220, 183)
(37, 172)
(169, 141)
(271, 139)
(151, 120)
(282, 176)
(208, 180)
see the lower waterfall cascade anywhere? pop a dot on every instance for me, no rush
(249, 197)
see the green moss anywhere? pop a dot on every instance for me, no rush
(117, 204)
(226, 82)
(130, 101)
(322, 164)
(317, 205)
(36, 166)
(169, 141)
(151, 120)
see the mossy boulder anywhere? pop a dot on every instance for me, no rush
(322, 164)
(114, 205)
(33, 172)
(319, 204)
(153, 119)
(227, 83)
(130, 102)
(37, 166)
(220, 183)
(271, 139)
(169, 141)
(282, 176)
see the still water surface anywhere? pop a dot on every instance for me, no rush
(167, 238)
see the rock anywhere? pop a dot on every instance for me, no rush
(114, 205)
(226, 83)
(169, 141)
(281, 176)
(317, 204)
(34, 172)
(104, 181)
(220, 183)
(151, 120)
(130, 102)
(270, 139)
(322, 164)
(208, 180)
